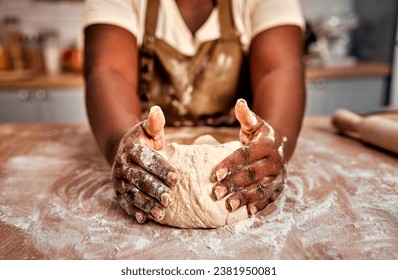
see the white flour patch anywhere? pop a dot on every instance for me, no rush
(141, 243)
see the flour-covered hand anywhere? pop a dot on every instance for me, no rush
(249, 173)
(141, 177)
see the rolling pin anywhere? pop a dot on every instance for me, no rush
(374, 130)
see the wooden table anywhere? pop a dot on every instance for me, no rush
(56, 202)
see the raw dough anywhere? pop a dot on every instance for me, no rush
(195, 206)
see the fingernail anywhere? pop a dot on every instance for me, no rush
(154, 109)
(140, 217)
(219, 192)
(241, 101)
(233, 205)
(166, 199)
(221, 174)
(173, 178)
(252, 210)
(158, 213)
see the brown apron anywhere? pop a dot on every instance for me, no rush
(198, 90)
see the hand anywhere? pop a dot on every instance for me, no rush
(249, 173)
(141, 177)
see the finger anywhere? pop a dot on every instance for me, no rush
(139, 215)
(154, 127)
(151, 161)
(256, 206)
(244, 196)
(245, 116)
(263, 170)
(252, 126)
(144, 202)
(149, 184)
(245, 155)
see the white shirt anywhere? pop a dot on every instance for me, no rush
(250, 17)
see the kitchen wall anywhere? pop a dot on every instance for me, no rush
(66, 16)
(374, 38)
(36, 16)
(316, 8)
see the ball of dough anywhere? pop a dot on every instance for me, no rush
(195, 205)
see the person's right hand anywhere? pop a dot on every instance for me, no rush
(141, 177)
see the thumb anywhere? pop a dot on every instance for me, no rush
(245, 116)
(154, 126)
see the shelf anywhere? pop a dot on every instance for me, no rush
(361, 70)
(61, 81)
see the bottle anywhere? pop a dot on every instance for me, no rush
(51, 53)
(3, 56)
(13, 43)
(33, 59)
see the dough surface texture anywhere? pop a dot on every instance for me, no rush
(195, 206)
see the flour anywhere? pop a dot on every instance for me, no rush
(141, 243)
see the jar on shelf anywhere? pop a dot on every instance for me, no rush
(51, 52)
(13, 42)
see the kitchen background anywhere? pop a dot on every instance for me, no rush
(349, 55)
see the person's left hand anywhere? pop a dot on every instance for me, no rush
(249, 173)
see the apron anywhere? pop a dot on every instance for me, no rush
(197, 90)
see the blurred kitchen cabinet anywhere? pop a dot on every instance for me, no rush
(39, 105)
(324, 96)
(19, 106)
(66, 106)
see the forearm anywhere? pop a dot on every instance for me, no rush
(279, 98)
(112, 107)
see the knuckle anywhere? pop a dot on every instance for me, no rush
(251, 174)
(144, 180)
(148, 206)
(159, 189)
(116, 169)
(276, 162)
(128, 140)
(119, 194)
(243, 196)
(117, 185)
(262, 190)
(135, 150)
(122, 160)
(132, 195)
(246, 154)
(230, 185)
(124, 204)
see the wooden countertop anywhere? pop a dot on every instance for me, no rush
(29, 80)
(56, 202)
(361, 70)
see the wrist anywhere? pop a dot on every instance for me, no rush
(113, 141)
(111, 146)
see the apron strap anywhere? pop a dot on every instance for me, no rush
(225, 18)
(151, 19)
